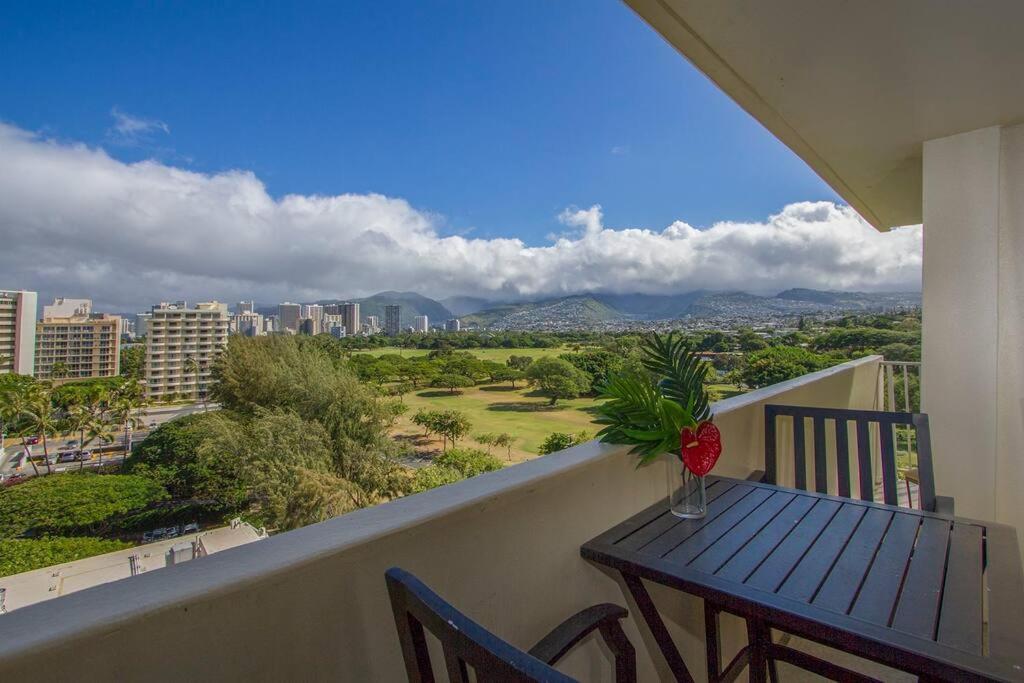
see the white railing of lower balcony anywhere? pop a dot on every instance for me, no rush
(311, 604)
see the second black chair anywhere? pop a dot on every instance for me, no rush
(467, 644)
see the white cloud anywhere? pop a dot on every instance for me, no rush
(130, 130)
(76, 222)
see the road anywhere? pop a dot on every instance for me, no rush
(151, 418)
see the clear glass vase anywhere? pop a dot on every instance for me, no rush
(687, 495)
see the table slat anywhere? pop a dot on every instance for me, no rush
(960, 619)
(741, 534)
(876, 601)
(838, 590)
(709, 533)
(918, 606)
(678, 533)
(743, 563)
(776, 567)
(803, 582)
(666, 521)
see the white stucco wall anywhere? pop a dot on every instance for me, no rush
(311, 604)
(972, 373)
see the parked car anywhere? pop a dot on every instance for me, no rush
(190, 528)
(72, 444)
(152, 425)
(67, 456)
(32, 440)
(12, 479)
(173, 531)
(84, 455)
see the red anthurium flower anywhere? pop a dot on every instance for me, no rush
(701, 448)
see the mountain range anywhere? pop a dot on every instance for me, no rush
(583, 310)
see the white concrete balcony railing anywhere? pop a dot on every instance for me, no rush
(311, 604)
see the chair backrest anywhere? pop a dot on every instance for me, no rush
(463, 641)
(862, 420)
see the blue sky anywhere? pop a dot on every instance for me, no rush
(496, 115)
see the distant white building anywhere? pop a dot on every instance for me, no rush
(68, 308)
(248, 324)
(177, 336)
(453, 325)
(372, 325)
(420, 323)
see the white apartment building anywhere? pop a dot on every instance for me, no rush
(453, 325)
(420, 323)
(176, 335)
(74, 343)
(372, 325)
(17, 331)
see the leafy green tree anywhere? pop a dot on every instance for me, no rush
(19, 555)
(453, 466)
(504, 440)
(451, 382)
(169, 455)
(59, 370)
(73, 501)
(598, 364)
(559, 441)
(558, 378)
(520, 363)
(452, 425)
(861, 338)
(133, 362)
(780, 363)
(486, 439)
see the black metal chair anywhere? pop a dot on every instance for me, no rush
(862, 420)
(467, 644)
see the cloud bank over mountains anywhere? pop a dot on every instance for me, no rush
(76, 222)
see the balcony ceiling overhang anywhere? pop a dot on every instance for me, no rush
(855, 88)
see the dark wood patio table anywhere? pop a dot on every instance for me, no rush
(935, 596)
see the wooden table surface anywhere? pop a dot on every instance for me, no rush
(907, 588)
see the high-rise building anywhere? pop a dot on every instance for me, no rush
(245, 307)
(248, 324)
(310, 326)
(392, 320)
(288, 316)
(372, 324)
(350, 312)
(182, 345)
(270, 324)
(313, 311)
(142, 323)
(74, 343)
(68, 308)
(17, 331)
(453, 325)
(420, 323)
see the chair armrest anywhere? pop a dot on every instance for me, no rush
(944, 505)
(604, 618)
(756, 475)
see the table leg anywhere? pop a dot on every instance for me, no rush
(758, 650)
(657, 626)
(713, 641)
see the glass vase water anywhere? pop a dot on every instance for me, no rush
(687, 494)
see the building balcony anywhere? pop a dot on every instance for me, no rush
(311, 604)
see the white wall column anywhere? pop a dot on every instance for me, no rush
(973, 298)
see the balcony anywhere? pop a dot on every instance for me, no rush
(311, 604)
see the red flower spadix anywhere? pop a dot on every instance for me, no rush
(701, 448)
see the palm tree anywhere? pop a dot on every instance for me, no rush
(59, 370)
(13, 405)
(124, 412)
(42, 419)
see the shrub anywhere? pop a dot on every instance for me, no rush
(23, 555)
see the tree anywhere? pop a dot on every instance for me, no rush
(451, 425)
(451, 382)
(59, 370)
(133, 362)
(520, 363)
(558, 441)
(504, 440)
(558, 378)
(125, 412)
(452, 466)
(71, 502)
(486, 439)
(780, 363)
(598, 364)
(426, 419)
(41, 418)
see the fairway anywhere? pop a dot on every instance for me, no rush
(497, 355)
(521, 412)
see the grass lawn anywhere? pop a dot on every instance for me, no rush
(498, 355)
(498, 408)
